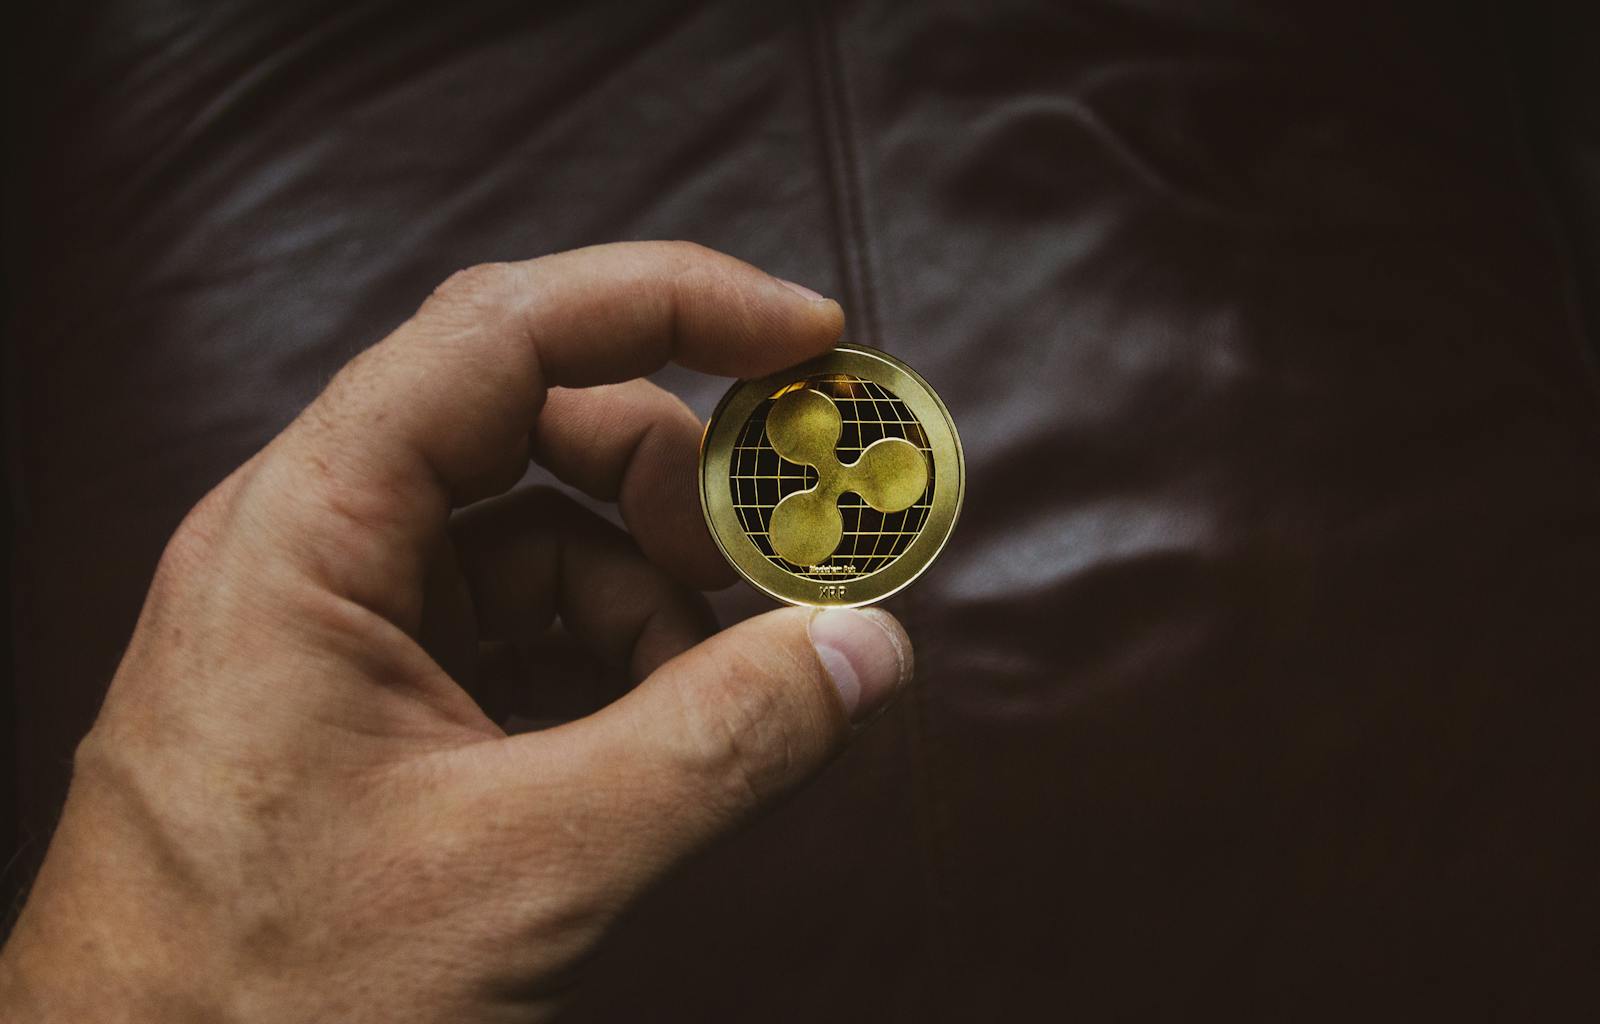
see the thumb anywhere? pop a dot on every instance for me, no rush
(726, 728)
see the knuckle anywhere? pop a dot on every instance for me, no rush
(742, 740)
(688, 251)
(194, 544)
(693, 267)
(706, 267)
(483, 286)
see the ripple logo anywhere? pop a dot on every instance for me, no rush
(803, 427)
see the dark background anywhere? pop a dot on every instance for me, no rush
(1259, 679)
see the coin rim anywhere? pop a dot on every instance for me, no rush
(949, 464)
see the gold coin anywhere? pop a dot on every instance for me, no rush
(832, 483)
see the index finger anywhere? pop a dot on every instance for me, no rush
(358, 488)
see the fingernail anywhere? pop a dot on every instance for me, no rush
(802, 291)
(867, 655)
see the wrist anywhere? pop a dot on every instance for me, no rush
(83, 950)
(53, 970)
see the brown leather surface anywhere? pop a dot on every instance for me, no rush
(1259, 677)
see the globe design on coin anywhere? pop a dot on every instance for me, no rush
(895, 475)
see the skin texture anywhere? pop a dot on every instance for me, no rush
(293, 805)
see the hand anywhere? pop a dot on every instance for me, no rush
(289, 811)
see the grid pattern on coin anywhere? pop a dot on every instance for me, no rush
(759, 478)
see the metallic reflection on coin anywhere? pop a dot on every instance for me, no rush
(834, 482)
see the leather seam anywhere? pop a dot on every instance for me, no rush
(843, 175)
(846, 194)
(1541, 176)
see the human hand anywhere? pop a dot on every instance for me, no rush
(288, 810)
